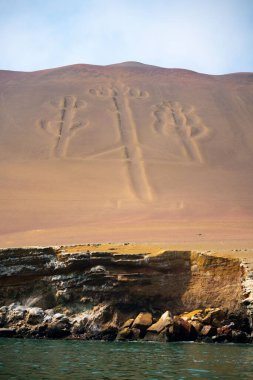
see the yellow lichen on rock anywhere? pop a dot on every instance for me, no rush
(191, 315)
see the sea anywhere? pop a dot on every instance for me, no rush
(87, 360)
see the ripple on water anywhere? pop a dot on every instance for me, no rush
(65, 360)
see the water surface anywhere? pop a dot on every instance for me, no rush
(61, 359)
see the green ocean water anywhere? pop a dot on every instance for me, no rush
(62, 359)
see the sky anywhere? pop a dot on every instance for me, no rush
(209, 36)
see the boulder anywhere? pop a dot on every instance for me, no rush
(79, 325)
(192, 315)
(78, 330)
(35, 316)
(143, 321)
(165, 320)
(225, 330)
(128, 323)
(100, 315)
(124, 334)
(15, 313)
(136, 333)
(109, 334)
(217, 323)
(155, 337)
(128, 333)
(212, 315)
(64, 320)
(208, 330)
(59, 327)
(22, 331)
(240, 321)
(224, 333)
(61, 319)
(181, 330)
(37, 331)
(170, 332)
(186, 330)
(48, 319)
(57, 330)
(197, 325)
(240, 337)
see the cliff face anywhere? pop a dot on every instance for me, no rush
(178, 281)
(89, 293)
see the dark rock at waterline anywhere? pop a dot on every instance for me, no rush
(206, 339)
(240, 337)
(59, 327)
(56, 331)
(7, 333)
(137, 333)
(125, 334)
(92, 326)
(223, 338)
(208, 330)
(107, 334)
(182, 330)
(155, 337)
(240, 321)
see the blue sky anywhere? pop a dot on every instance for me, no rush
(210, 36)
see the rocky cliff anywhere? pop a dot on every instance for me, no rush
(85, 290)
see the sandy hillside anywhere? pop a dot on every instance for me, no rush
(126, 152)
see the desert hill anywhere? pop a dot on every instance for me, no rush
(125, 152)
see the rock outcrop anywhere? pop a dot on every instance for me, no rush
(247, 285)
(56, 292)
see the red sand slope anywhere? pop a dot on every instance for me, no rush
(125, 152)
